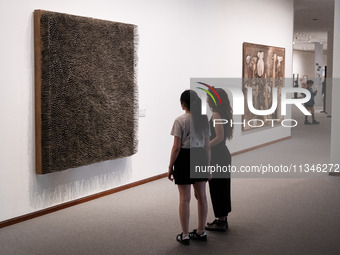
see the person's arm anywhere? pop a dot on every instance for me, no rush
(207, 148)
(208, 151)
(219, 130)
(174, 154)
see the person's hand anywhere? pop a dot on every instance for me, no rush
(171, 174)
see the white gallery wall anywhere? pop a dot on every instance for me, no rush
(179, 39)
(304, 63)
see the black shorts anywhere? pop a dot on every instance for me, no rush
(183, 165)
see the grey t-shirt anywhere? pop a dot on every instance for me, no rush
(181, 129)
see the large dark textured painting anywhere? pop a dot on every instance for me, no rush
(263, 70)
(86, 93)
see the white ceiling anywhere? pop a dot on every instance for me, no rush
(312, 21)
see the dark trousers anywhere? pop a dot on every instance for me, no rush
(220, 196)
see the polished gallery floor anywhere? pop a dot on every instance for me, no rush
(292, 215)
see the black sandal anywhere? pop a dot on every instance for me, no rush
(194, 235)
(180, 239)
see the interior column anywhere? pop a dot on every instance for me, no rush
(335, 134)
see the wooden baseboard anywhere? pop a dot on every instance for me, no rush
(260, 146)
(55, 208)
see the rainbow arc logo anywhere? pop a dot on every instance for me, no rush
(209, 93)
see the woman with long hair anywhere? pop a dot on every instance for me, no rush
(188, 142)
(220, 155)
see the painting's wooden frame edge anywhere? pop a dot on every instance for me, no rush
(37, 90)
(263, 45)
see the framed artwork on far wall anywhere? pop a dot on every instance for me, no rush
(263, 73)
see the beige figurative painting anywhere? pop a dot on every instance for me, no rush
(263, 74)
